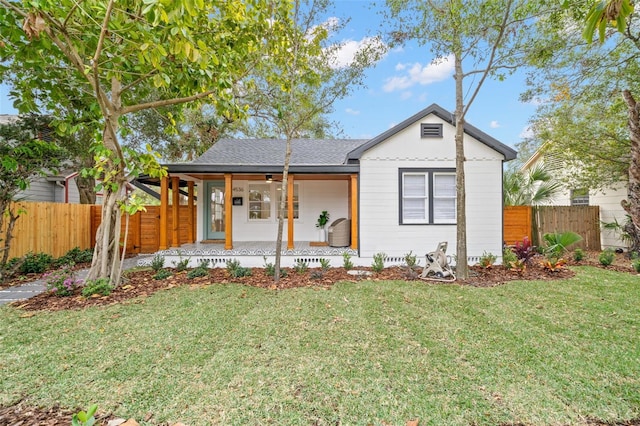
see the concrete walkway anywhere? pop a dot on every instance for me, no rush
(27, 290)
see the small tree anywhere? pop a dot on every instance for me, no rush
(127, 56)
(294, 93)
(23, 156)
(484, 39)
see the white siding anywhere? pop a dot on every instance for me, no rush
(610, 210)
(39, 190)
(380, 229)
(607, 199)
(315, 196)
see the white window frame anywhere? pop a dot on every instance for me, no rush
(440, 197)
(424, 197)
(430, 198)
(296, 201)
(249, 201)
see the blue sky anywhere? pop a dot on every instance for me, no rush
(403, 83)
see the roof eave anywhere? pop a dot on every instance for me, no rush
(226, 168)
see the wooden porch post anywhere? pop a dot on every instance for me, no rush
(191, 219)
(354, 211)
(164, 212)
(175, 209)
(290, 212)
(228, 211)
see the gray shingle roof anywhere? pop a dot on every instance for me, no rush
(249, 152)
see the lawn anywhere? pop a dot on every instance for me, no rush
(372, 352)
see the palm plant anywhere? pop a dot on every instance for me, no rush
(533, 187)
(557, 243)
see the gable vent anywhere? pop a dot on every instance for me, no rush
(430, 130)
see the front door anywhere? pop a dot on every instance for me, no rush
(214, 228)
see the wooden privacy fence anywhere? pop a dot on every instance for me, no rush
(56, 228)
(144, 228)
(583, 220)
(534, 222)
(52, 228)
(517, 223)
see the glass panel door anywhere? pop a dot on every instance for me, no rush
(215, 211)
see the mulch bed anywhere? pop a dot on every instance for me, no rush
(138, 284)
(141, 283)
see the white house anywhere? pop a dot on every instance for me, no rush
(397, 191)
(608, 199)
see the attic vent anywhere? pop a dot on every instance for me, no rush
(430, 130)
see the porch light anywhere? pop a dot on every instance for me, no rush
(269, 178)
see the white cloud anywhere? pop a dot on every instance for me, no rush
(418, 74)
(526, 133)
(406, 95)
(351, 111)
(346, 54)
(494, 124)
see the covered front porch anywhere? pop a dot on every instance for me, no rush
(218, 214)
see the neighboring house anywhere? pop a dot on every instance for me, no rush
(608, 199)
(397, 189)
(54, 187)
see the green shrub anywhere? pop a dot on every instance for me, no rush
(162, 274)
(182, 264)
(410, 260)
(236, 271)
(487, 260)
(301, 266)
(200, 271)
(232, 265)
(508, 257)
(378, 262)
(246, 272)
(606, 257)
(99, 286)
(578, 254)
(157, 262)
(269, 268)
(347, 263)
(635, 261)
(75, 255)
(62, 282)
(557, 243)
(35, 263)
(325, 263)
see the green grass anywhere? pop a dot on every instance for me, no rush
(539, 353)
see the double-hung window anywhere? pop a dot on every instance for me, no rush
(264, 201)
(296, 202)
(259, 201)
(427, 196)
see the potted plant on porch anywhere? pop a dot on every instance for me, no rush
(323, 219)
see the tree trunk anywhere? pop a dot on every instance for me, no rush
(6, 212)
(281, 207)
(462, 268)
(632, 204)
(105, 262)
(86, 189)
(106, 258)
